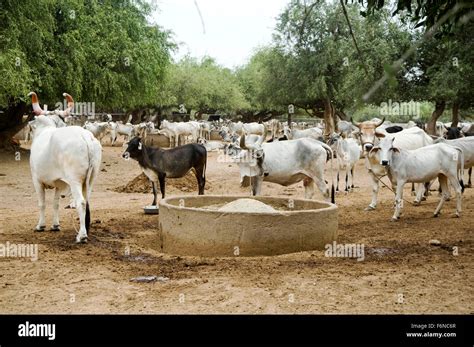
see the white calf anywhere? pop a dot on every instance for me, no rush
(348, 152)
(422, 165)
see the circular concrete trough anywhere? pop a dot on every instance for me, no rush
(192, 225)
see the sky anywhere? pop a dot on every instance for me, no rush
(232, 28)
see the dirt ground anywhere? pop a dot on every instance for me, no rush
(401, 273)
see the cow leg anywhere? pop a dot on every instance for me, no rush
(201, 179)
(458, 189)
(337, 181)
(80, 202)
(398, 201)
(375, 191)
(413, 189)
(308, 188)
(41, 204)
(352, 177)
(420, 190)
(469, 185)
(321, 184)
(256, 185)
(153, 185)
(161, 178)
(443, 185)
(55, 226)
(347, 180)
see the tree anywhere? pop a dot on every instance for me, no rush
(314, 64)
(103, 52)
(445, 73)
(204, 86)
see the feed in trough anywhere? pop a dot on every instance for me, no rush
(247, 205)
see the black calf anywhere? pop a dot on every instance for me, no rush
(159, 164)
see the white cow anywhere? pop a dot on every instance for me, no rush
(275, 128)
(66, 159)
(205, 130)
(118, 128)
(467, 146)
(293, 134)
(284, 163)
(179, 129)
(348, 152)
(345, 127)
(408, 139)
(421, 165)
(211, 145)
(98, 129)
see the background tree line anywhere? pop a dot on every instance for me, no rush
(325, 58)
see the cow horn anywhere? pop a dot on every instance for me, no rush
(70, 103)
(70, 106)
(357, 124)
(381, 122)
(35, 103)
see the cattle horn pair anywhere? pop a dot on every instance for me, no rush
(256, 145)
(39, 111)
(357, 124)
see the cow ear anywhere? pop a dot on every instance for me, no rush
(373, 150)
(379, 134)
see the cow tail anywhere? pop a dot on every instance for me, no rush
(461, 170)
(205, 164)
(333, 193)
(90, 171)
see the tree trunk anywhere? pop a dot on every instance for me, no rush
(289, 119)
(11, 122)
(341, 115)
(438, 111)
(455, 119)
(329, 113)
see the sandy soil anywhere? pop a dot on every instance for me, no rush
(401, 273)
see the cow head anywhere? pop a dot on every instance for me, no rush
(453, 133)
(50, 118)
(134, 149)
(385, 149)
(249, 157)
(368, 134)
(287, 132)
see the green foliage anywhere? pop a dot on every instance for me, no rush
(204, 86)
(424, 13)
(98, 51)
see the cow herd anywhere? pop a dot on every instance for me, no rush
(66, 156)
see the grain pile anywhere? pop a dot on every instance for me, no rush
(141, 184)
(247, 205)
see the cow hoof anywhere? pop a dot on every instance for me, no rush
(457, 215)
(436, 215)
(40, 228)
(394, 219)
(468, 186)
(55, 228)
(369, 208)
(416, 203)
(81, 239)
